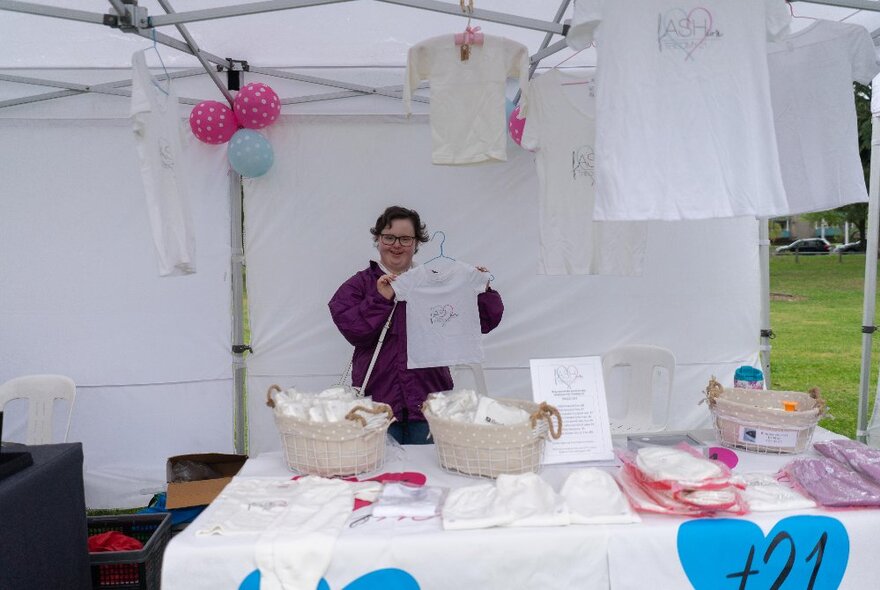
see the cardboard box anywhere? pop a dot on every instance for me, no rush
(202, 492)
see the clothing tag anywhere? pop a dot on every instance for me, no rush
(465, 52)
(490, 411)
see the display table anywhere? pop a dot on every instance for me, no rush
(43, 528)
(835, 549)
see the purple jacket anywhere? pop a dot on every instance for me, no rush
(359, 311)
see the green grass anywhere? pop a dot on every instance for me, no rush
(816, 314)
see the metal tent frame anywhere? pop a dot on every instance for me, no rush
(127, 16)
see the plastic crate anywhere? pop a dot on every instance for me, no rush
(141, 569)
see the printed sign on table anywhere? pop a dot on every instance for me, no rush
(576, 388)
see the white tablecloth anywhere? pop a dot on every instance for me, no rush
(840, 547)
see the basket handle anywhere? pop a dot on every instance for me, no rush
(713, 390)
(354, 417)
(272, 388)
(816, 394)
(547, 412)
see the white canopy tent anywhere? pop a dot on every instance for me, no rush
(151, 356)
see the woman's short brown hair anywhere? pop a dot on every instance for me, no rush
(397, 212)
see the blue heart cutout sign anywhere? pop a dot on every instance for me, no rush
(384, 579)
(800, 553)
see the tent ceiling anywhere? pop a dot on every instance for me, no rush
(300, 34)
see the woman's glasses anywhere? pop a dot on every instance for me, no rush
(389, 239)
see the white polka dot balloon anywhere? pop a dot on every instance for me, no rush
(256, 106)
(212, 122)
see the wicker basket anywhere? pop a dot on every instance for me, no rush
(487, 450)
(332, 449)
(756, 420)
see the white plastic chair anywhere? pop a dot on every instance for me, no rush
(41, 391)
(643, 362)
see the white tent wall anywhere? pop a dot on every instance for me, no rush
(82, 297)
(307, 230)
(700, 280)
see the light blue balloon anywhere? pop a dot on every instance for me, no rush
(509, 106)
(250, 154)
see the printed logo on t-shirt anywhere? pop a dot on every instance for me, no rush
(166, 154)
(583, 163)
(441, 314)
(686, 31)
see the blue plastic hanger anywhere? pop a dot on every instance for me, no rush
(167, 89)
(441, 255)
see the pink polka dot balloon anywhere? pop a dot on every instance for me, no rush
(212, 122)
(256, 106)
(515, 126)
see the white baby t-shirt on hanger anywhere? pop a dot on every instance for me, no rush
(442, 318)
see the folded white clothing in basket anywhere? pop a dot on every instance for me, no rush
(330, 405)
(465, 405)
(460, 406)
(593, 497)
(491, 411)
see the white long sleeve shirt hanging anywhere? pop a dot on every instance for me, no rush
(684, 126)
(468, 123)
(442, 317)
(560, 113)
(811, 75)
(156, 121)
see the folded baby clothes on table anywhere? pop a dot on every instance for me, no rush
(401, 499)
(593, 497)
(513, 500)
(831, 483)
(858, 455)
(764, 493)
(296, 523)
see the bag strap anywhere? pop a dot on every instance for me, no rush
(376, 352)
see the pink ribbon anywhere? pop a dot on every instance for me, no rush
(471, 36)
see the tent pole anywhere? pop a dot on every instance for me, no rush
(52, 11)
(870, 292)
(544, 44)
(118, 6)
(198, 53)
(766, 332)
(390, 92)
(239, 347)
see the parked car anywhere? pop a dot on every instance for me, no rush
(849, 248)
(806, 246)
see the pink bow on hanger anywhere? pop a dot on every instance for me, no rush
(471, 36)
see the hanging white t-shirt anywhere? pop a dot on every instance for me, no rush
(442, 318)
(560, 113)
(156, 121)
(684, 126)
(811, 75)
(468, 122)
